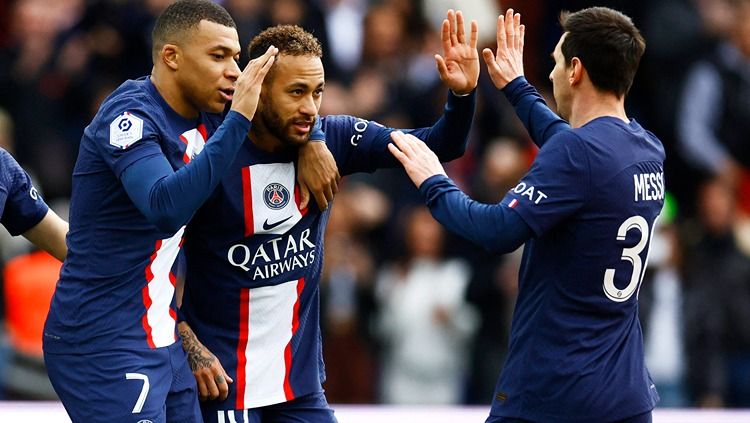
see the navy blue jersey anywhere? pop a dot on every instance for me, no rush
(116, 289)
(591, 198)
(21, 206)
(254, 259)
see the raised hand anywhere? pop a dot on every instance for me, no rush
(507, 62)
(459, 65)
(248, 85)
(419, 161)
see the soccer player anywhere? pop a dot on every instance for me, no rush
(586, 212)
(24, 212)
(110, 336)
(254, 256)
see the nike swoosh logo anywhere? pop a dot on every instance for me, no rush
(268, 226)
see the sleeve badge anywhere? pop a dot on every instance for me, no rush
(125, 130)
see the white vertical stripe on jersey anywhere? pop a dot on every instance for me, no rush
(160, 291)
(220, 416)
(264, 217)
(270, 317)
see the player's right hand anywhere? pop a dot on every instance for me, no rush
(213, 381)
(506, 64)
(248, 85)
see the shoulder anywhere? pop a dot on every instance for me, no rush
(128, 115)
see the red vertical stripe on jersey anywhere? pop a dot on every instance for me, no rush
(202, 130)
(185, 157)
(288, 351)
(241, 347)
(298, 199)
(147, 297)
(247, 201)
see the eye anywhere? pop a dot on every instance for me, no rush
(318, 92)
(297, 91)
(217, 56)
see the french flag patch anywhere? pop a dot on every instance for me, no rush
(513, 203)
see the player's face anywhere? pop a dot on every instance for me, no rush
(560, 81)
(291, 98)
(208, 66)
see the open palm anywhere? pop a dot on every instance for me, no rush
(459, 65)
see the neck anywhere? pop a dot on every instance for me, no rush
(595, 104)
(172, 94)
(263, 139)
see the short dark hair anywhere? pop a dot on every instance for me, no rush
(289, 39)
(607, 43)
(183, 15)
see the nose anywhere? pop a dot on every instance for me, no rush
(308, 106)
(233, 71)
(550, 76)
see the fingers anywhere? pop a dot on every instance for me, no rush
(522, 30)
(500, 34)
(321, 199)
(509, 30)
(222, 386)
(452, 27)
(213, 390)
(304, 193)
(517, 30)
(460, 34)
(262, 60)
(202, 390)
(445, 35)
(441, 66)
(474, 34)
(398, 154)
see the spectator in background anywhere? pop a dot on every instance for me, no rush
(717, 294)
(713, 125)
(424, 321)
(660, 303)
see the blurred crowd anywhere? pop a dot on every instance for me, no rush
(412, 314)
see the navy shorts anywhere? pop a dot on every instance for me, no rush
(311, 408)
(144, 386)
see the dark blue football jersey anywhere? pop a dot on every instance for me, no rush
(591, 198)
(116, 288)
(21, 206)
(254, 259)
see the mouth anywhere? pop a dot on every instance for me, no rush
(227, 93)
(302, 126)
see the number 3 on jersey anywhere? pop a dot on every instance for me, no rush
(633, 256)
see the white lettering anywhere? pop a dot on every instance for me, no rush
(230, 256)
(529, 193)
(274, 243)
(303, 240)
(638, 182)
(541, 196)
(290, 246)
(261, 252)
(520, 187)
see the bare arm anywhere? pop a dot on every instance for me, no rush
(49, 235)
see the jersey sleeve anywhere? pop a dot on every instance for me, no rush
(556, 186)
(23, 206)
(126, 132)
(360, 145)
(538, 119)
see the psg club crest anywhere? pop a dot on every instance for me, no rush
(276, 196)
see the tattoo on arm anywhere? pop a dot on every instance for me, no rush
(198, 357)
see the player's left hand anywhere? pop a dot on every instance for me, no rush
(459, 65)
(419, 161)
(213, 381)
(317, 172)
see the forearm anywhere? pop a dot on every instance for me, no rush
(449, 136)
(540, 121)
(49, 235)
(167, 198)
(495, 227)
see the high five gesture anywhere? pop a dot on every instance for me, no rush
(507, 62)
(459, 65)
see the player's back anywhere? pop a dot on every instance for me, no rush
(576, 350)
(116, 285)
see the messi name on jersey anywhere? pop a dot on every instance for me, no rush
(649, 186)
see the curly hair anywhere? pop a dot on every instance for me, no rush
(289, 39)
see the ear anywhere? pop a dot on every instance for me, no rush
(576, 71)
(170, 55)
